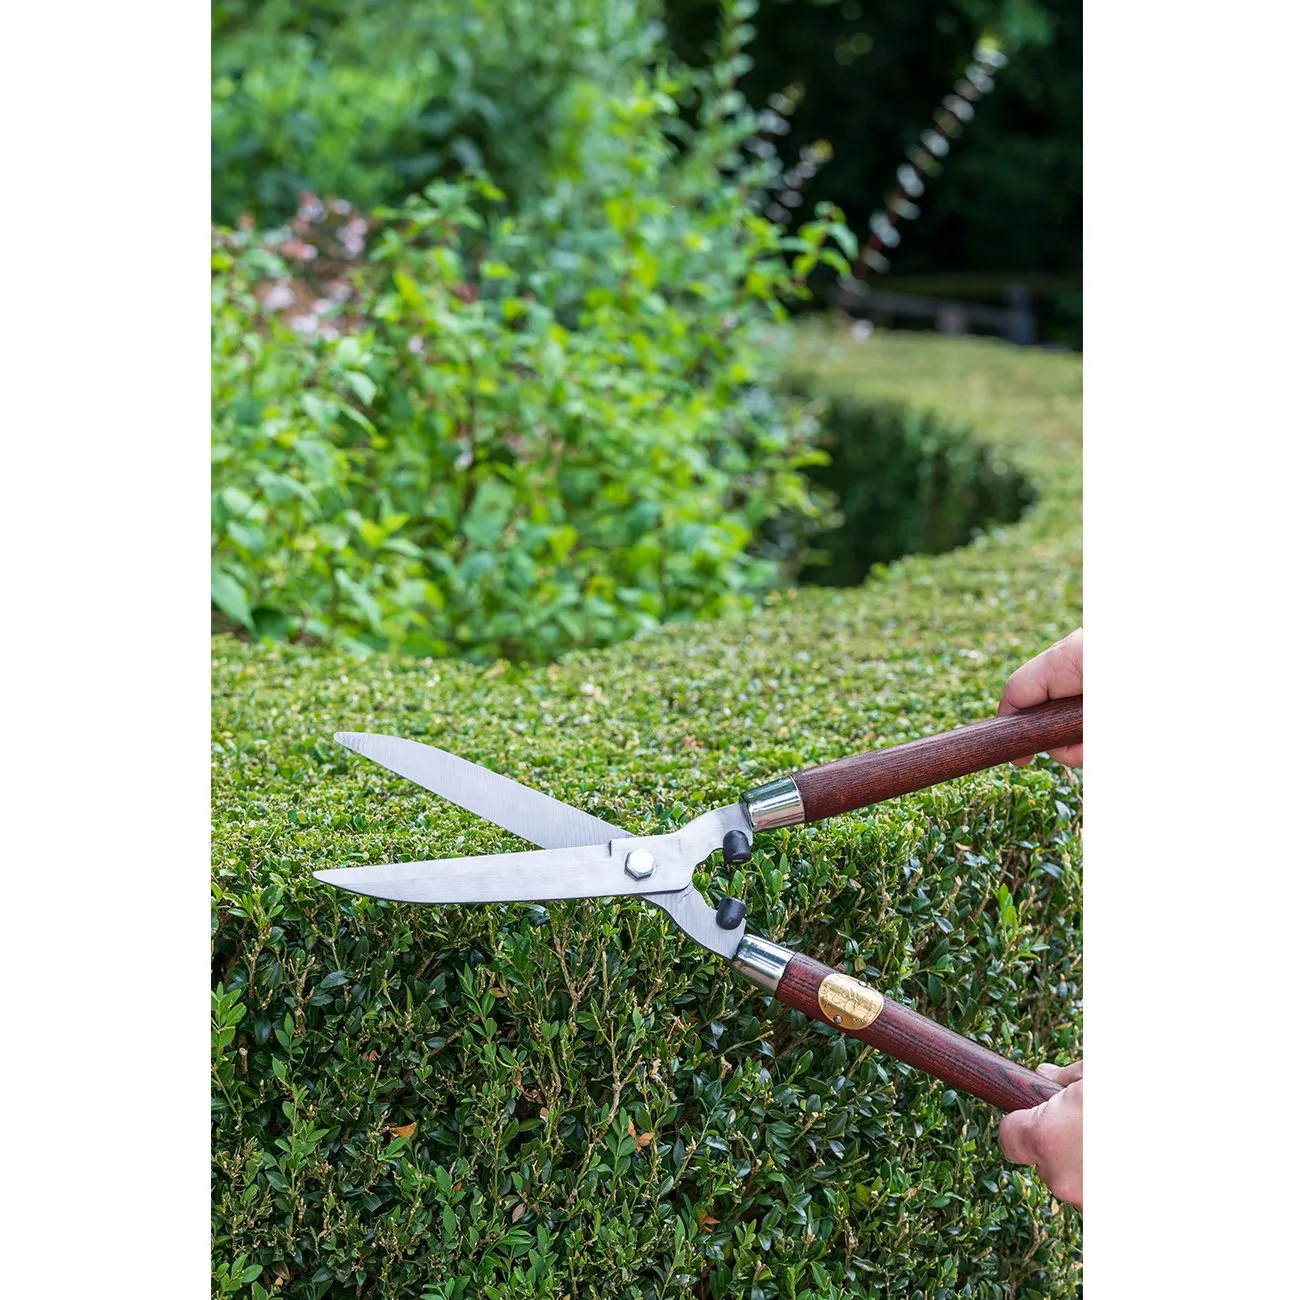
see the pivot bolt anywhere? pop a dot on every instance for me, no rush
(639, 864)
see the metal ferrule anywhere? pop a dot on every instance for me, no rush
(778, 803)
(761, 961)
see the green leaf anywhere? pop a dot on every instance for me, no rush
(372, 533)
(317, 456)
(360, 419)
(230, 598)
(562, 541)
(362, 385)
(320, 412)
(364, 602)
(237, 501)
(250, 538)
(271, 624)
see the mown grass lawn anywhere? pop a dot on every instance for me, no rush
(426, 1102)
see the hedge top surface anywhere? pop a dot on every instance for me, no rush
(574, 1099)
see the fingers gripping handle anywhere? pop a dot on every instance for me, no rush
(861, 1012)
(863, 779)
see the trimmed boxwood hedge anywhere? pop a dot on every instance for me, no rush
(907, 482)
(573, 1100)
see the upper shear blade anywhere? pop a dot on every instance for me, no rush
(523, 811)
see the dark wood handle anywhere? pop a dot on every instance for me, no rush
(909, 1036)
(868, 778)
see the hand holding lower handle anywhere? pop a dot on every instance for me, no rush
(861, 1012)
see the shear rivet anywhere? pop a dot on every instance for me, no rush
(639, 864)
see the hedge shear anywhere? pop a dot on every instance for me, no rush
(584, 857)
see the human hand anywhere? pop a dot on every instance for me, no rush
(1050, 1136)
(1052, 675)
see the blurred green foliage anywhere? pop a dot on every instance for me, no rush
(370, 100)
(508, 426)
(574, 1100)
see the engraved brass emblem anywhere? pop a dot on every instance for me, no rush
(848, 1003)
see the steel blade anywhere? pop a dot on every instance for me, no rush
(596, 871)
(646, 864)
(525, 812)
(546, 821)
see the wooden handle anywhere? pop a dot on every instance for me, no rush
(861, 1012)
(868, 778)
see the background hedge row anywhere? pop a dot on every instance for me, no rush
(573, 1100)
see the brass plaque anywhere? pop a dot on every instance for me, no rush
(848, 1003)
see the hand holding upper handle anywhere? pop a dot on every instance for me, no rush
(1051, 675)
(878, 774)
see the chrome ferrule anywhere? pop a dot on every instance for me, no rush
(778, 803)
(761, 961)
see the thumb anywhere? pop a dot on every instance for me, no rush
(1063, 1074)
(1019, 1135)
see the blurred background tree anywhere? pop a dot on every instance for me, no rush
(867, 76)
(371, 100)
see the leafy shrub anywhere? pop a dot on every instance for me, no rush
(512, 431)
(574, 1100)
